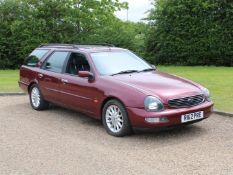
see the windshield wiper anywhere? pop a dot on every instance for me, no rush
(125, 72)
(147, 70)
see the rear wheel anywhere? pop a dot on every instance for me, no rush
(115, 119)
(36, 100)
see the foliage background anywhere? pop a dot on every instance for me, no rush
(191, 32)
(25, 24)
(177, 32)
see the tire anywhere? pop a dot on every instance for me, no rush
(36, 99)
(115, 119)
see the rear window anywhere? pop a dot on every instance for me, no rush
(35, 57)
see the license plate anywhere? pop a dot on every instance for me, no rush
(192, 116)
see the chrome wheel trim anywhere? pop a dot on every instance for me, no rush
(114, 118)
(35, 97)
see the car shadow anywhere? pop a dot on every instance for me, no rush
(72, 114)
(173, 136)
(192, 131)
(177, 131)
(184, 133)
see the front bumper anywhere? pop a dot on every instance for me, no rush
(137, 116)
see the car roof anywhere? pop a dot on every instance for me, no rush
(82, 47)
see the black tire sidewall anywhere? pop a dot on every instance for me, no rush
(126, 128)
(43, 104)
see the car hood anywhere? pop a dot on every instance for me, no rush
(162, 85)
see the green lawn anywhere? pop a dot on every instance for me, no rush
(219, 80)
(9, 81)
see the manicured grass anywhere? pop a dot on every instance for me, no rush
(9, 81)
(219, 80)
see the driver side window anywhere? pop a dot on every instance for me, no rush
(77, 62)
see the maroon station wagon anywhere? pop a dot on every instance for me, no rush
(113, 85)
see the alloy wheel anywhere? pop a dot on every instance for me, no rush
(114, 118)
(35, 97)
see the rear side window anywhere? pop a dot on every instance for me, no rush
(35, 57)
(55, 62)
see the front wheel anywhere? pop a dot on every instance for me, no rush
(115, 119)
(36, 100)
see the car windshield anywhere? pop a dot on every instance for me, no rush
(117, 62)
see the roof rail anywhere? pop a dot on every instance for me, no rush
(59, 45)
(95, 44)
(75, 46)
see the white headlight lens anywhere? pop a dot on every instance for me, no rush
(207, 94)
(153, 104)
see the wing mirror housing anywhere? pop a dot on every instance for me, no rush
(153, 66)
(86, 74)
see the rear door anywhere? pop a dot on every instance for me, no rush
(49, 77)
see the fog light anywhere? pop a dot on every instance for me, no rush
(152, 120)
(156, 120)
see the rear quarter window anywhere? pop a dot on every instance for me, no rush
(35, 57)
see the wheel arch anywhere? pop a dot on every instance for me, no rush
(127, 128)
(108, 99)
(30, 85)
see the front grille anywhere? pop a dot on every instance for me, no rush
(186, 101)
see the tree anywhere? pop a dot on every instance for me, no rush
(191, 32)
(25, 24)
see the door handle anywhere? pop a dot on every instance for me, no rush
(40, 75)
(64, 81)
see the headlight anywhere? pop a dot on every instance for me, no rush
(207, 94)
(153, 104)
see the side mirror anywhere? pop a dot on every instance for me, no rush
(153, 66)
(47, 66)
(86, 74)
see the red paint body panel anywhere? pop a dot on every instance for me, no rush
(87, 96)
(79, 93)
(137, 116)
(162, 85)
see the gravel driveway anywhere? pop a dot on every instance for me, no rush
(59, 141)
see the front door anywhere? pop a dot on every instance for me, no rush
(78, 92)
